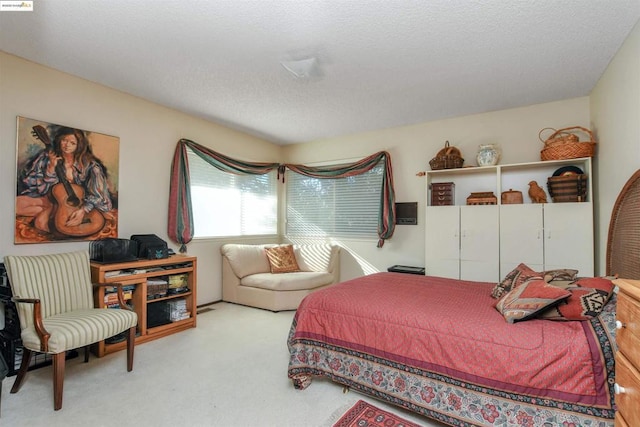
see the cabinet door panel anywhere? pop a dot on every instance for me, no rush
(479, 233)
(443, 268)
(521, 237)
(442, 248)
(479, 271)
(479, 243)
(569, 237)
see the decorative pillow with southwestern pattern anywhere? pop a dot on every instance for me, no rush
(529, 299)
(515, 278)
(282, 259)
(561, 274)
(588, 297)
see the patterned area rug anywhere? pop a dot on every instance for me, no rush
(363, 414)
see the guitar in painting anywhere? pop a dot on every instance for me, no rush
(67, 199)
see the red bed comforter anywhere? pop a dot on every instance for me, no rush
(450, 329)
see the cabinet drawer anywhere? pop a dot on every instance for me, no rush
(619, 421)
(628, 337)
(443, 186)
(627, 402)
(441, 200)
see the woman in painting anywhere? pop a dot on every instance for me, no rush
(64, 187)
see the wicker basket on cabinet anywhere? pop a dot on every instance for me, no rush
(565, 144)
(447, 158)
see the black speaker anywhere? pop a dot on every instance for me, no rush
(151, 246)
(407, 213)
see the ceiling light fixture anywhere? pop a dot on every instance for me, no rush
(304, 68)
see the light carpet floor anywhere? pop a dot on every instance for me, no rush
(229, 371)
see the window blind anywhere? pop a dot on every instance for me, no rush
(334, 207)
(226, 204)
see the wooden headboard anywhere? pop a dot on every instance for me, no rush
(623, 244)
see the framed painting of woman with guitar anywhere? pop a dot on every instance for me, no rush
(67, 183)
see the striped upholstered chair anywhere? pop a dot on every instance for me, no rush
(54, 298)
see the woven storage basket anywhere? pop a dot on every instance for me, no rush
(565, 144)
(567, 188)
(447, 158)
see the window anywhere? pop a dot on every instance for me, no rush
(345, 207)
(226, 204)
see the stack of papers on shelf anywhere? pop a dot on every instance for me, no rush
(178, 310)
(118, 273)
(112, 273)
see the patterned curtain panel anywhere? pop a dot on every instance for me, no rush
(180, 228)
(387, 213)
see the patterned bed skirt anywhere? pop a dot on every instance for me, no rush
(435, 396)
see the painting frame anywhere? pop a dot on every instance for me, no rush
(67, 182)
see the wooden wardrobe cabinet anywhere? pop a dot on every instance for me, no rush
(627, 387)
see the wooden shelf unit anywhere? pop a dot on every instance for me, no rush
(174, 265)
(485, 242)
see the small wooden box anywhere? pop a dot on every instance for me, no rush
(442, 193)
(511, 197)
(486, 198)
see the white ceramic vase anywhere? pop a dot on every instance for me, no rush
(488, 155)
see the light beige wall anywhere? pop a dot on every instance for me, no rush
(615, 117)
(148, 135)
(411, 147)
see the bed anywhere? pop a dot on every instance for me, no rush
(439, 347)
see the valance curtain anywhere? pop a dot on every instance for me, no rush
(180, 227)
(387, 213)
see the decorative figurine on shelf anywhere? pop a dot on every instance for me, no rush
(536, 193)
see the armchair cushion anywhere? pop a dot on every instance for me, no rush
(294, 281)
(78, 328)
(247, 259)
(61, 281)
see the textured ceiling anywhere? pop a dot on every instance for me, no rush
(381, 63)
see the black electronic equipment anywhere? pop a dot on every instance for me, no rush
(112, 250)
(407, 213)
(151, 246)
(407, 269)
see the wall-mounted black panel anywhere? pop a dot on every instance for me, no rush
(407, 213)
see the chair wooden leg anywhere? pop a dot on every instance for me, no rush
(58, 379)
(131, 342)
(22, 373)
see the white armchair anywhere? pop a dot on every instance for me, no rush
(54, 299)
(247, 280)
